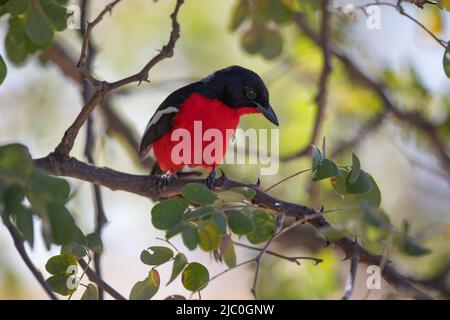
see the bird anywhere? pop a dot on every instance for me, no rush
(215, 102)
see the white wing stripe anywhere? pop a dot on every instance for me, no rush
(159, 114)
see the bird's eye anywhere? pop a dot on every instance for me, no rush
(251, 94)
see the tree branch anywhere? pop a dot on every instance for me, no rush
(321, 98)
(103, 88)
(92, 276)
(148, 186)
(100, 216)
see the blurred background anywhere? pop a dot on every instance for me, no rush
(38, 102)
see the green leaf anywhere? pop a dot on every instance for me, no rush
(59, 265)
(408, 246)
(240, 224)
(3, 69)
(240, 13)
(227, 251)
(339, 182)
(74, 249)
(197, 193)
(63, 229)
(94, 242)
(356, 168)
(247, 192)
(195, 277)
(362, 185)
(264, 227)
(251, 41)
(373, 197)
(37, 26)
(15, 161)
(147, 288)
(168, 213)
(208, 235)
(15, 42)
(316, 157)
(230, 196)
(446, 60)
(198, 213)
(12, 199)
(189, 235)
(325, 169)
(24, 222)
(279, 12)
(91, 293)
(56, 13)
(59, 284)
(172, 232)
(271, 43)
(16, 7)
(158, 256)
(220, 221)
(373, 217)
(50, 189)
(179, 263)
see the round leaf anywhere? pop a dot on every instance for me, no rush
(59, 265)
(264, 227)
(94, 242)
(361, 185)
(168, 213)
(195, 276)
(91, 293)
(240, 224)
(325, 169)
(208, 235)
(147, 288)
(198, 194)
(189, 235)
(158, 256)
(37, 26)
(60, 284)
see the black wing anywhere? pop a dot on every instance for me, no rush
(161, 121)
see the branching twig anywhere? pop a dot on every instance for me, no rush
(294, 259)
(103, 88)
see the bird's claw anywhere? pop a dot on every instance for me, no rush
(166, 179)
(210, 179)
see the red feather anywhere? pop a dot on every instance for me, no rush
(213, 114)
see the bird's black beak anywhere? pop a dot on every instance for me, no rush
(267, 112)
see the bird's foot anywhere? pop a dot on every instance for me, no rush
(166, 179)
(210, 179)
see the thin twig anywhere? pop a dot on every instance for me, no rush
(294, 259)
(19, 244)
(286, 179)
(103, 88)
(99, 281)
(278, 226)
